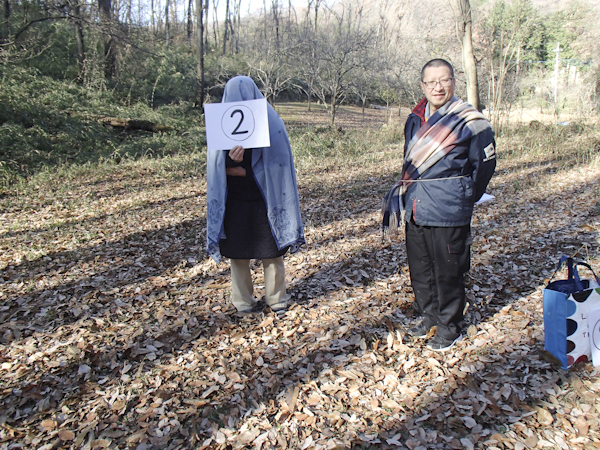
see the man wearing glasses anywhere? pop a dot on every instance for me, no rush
(449, 159)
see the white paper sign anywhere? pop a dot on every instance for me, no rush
(237, 123)
(594, 333)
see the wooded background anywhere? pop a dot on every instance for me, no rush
(365, 52)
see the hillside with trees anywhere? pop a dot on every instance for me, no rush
(357, 52)
(109, 57)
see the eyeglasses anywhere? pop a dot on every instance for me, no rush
(431, 85)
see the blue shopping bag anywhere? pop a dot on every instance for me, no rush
(566, 303)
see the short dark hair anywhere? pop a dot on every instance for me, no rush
(438, 62)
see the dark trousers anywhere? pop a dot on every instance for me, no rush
(438, 258)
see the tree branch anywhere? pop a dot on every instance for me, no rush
(87, 22)
(31, 22)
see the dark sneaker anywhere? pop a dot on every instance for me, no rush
(440, 344)
(420, 331)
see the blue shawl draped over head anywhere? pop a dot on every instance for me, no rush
(274, 172)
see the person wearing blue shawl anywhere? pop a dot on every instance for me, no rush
(253, 208)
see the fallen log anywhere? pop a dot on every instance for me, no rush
(130, 125)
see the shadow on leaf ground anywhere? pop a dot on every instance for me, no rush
(133, 340)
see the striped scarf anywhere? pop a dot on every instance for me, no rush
(448, 127)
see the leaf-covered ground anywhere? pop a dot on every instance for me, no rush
(116, 330)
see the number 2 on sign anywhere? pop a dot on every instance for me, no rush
(235, 131)
(238, 123)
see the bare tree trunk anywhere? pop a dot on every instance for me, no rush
(80, 40)
(190, 22)
(167, 25)
(216, 22)
(110, 59)
(364, 101)
(239, 25)
(332, 115)
(275, 8)
(234, 25)
(200, 66)
(233, 47)
(226, 26)
(173, 6)
(6, 33)
(206, 5)
(265, 22)
(307, 19)
(334, 98)
(152, 16)
(129, 15)
(469, 62)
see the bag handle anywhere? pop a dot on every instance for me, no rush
(586, 265)
(573, 273)
(569, 262)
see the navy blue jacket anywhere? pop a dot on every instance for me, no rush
(448, 201)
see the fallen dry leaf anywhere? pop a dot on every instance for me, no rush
(544, 416)
(582, 425)
(66, 435)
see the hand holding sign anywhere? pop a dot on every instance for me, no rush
(237, 153)
(237, 123)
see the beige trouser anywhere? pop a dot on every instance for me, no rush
(241, 283)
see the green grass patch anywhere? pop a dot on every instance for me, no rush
(576, 143)
(327, 147)
(47, 126)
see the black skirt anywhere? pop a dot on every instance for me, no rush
(247, 230)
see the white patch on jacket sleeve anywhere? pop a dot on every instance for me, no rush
(490, 152)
